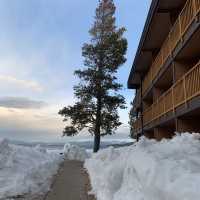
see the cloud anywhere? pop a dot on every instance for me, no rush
(31, 124)
(21, 103)
(22, 83)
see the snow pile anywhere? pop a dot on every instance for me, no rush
(25, 170)
(73, 152)
(41, 149)
(5, 150)
(148, 170)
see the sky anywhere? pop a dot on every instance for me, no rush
(40, 47)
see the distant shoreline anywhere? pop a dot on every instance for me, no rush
(83, 144)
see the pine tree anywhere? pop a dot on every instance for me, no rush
(132, 119)
(97, 99)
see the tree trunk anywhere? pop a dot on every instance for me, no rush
(97, 134)
(97, 139)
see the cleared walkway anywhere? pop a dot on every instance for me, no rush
(71, 183)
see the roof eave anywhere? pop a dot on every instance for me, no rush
(150, 15)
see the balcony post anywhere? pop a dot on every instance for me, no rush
(180, 28)
(141, 106)
(194, 7)
(195, 10)
(185, 91)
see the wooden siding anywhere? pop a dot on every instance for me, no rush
(183, 22)
(180, 93)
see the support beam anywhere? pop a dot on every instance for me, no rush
(169, 10)
(151, 49)
(141, 107)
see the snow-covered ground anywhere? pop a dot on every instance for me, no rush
(28, 171)
(148, 170)
(25, 170)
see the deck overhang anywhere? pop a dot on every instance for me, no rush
(158, 24)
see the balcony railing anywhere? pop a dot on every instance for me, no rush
(137, 125)
(186, 17)
(137, 100)
(180, 93)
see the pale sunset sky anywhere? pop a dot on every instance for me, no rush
(40, 47)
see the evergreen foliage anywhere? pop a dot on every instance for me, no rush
(97, 99)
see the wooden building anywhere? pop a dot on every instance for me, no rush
(166, 70)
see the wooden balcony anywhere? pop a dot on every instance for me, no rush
(137, 100)
(137, 125)
(185, 89)
(187, 16)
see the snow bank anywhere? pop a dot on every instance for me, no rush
(73, 152)
(25, 170)
(148, 170)
(41, 149)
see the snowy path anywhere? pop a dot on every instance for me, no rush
(71, 183)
